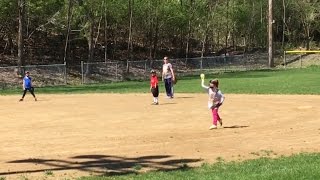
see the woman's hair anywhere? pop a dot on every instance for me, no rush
(215, 82)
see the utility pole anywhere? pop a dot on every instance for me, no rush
(270, 34)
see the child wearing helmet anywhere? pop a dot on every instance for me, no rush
(154, 88)
(27, 86)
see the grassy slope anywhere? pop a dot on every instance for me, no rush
(291, 81)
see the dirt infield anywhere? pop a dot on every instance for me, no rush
(74, 135)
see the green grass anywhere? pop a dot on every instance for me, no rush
(302, 167)
(290, 81)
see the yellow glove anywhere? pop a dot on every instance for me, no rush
(202, 76)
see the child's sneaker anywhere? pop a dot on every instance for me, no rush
(213, 127)
(220, 122)
(20, 100)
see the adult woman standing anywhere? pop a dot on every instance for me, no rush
(168, 76)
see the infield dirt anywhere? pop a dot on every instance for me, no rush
(68, 136)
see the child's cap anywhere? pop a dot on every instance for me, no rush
(27, 72)
(152, 71)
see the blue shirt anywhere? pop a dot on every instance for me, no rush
(27, 82)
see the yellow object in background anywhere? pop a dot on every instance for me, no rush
(202, 76)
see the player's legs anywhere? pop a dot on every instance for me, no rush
(172, 90)
(168, 86)
(215, 116)
(24, 94)
(31, 90)
(219, 118)
(155, 93)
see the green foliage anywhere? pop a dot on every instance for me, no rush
(48, 173)
(165, 24)
(8, 14)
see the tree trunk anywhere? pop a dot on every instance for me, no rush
(130, 34)
(156, 31)
(308, 36)
(270, 34)
(90, 42)
(21, 7)
(205, 35)
(189, 29)
(227, 28)
(188, 38)
(69, 17)
(11, 46)
(283, 23)
(150, 28)
(105, 32)
(156, 38)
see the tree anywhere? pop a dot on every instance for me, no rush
(69, 17)
(8, 21)
(270, 33)
(21, 8)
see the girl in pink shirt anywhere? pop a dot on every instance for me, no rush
(215, 100)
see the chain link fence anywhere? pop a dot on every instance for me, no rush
(99, 72)
(42, 75)
(102, 72)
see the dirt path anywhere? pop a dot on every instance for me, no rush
(75, 135)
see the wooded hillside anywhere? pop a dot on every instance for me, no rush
(99, 30)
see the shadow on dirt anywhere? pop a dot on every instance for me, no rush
(184, 97)
(235, 126)
(104, 165)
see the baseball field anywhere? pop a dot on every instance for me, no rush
(113, 129)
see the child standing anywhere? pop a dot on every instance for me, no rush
(215, 100)
(27, 86)
(154, 88)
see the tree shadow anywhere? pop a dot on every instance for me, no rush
(104, 165)
(167, 103)
(186, 97)
(235, 126)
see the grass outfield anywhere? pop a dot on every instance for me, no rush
(302, 166)
(290, 81)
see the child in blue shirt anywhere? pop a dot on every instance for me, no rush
(27, 86)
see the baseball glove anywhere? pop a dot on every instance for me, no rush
(175, 80)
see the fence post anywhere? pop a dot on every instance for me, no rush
(65, 73)
(82, 73)
(116, 71)
(201, 63)
(145, 70)
(300, 61)
(225, 63)
(284, 59)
